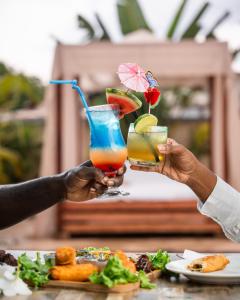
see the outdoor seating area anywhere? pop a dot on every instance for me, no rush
(119, 149)
(177, 63)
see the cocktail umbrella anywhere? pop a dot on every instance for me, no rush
(133, 77)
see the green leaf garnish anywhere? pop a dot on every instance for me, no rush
(33, 271)
(159, 260)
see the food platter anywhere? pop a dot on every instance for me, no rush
(89, 269)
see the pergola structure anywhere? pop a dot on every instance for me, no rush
(186, 62)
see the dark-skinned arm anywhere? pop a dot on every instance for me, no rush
(20, 201)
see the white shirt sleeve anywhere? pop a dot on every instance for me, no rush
(223, 206)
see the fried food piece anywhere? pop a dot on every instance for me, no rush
(130, 265)
(65, 256)
(209, 263)
(77, 272)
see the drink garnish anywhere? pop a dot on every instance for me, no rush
(143, 122)
(127, 101)
(152, 96)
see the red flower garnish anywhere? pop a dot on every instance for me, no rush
(152, 95)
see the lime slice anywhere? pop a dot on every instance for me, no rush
(143, 122)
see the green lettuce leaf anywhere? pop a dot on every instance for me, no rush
(159, 260)
(34, 272)
(144, 281)
(114, 273)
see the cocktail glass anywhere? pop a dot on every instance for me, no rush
(142, 147)
(108, 151)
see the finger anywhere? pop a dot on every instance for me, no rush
(89, 173)
(122, 170)
(92, 190)
(145, 169)
(172, 141)
(116, 181)
(100, 189)
(87, 163)
(97, 186)
(170, 149)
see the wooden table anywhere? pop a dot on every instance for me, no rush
(175, 289)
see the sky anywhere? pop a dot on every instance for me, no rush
(28, 27)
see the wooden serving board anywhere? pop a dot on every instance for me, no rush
(99, 288)
(154, 275)
(91, 287)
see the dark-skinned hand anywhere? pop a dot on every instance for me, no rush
(86, 182)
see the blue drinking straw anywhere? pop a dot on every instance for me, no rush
(79, 91)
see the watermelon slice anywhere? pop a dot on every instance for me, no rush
(152, 96)
(127, 101)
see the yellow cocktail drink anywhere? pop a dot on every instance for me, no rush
(142, 147)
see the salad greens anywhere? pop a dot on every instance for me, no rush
(144, 281)
(159, 260)
(33, 271)
(115, 273)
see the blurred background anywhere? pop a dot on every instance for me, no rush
(193, 49)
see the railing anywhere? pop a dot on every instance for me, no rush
(37, 114)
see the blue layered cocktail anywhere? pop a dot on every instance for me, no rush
(108, 151)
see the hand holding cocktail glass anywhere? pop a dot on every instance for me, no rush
(107, 148)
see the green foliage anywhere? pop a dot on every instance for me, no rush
(3, 69)
(176, 19)
(219, 21)
(20, 151)
(194, 27)
(19, 91)
(9, 165)
(159, 260)
(105, 36)
(115, 273)
(144, 281)
(131, 17)
(84, 24)
(33, 271)
(200, 144)
(20, 142)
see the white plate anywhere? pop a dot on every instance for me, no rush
(230, 275)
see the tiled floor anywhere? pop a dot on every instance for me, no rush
(176, 244)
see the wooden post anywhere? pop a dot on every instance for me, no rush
(217, 126)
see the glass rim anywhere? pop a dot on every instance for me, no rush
(152, 129)
(104, 107)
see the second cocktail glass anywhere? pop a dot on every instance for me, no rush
(108, 151)
(142, 147)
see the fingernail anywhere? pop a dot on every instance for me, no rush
(161, 147)
(93, 190)
(110, 183)
(105, 179)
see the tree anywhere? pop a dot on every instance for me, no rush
(20, 142)
(131, 18)
(18, 90)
